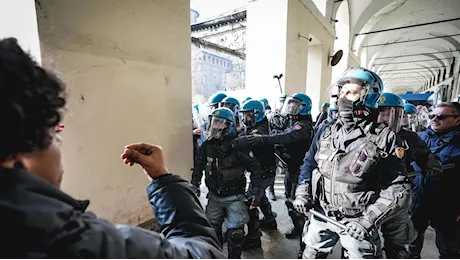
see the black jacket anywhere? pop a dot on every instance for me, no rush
(39, 221)
(418, 150)
(266, 152)
(225, 175)
(296, 141)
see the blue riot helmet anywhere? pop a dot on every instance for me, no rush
(372, 86)
(253, 112)
(410, 119)
(232, 104)
(391, 111)
(298, 104)
(221, 123)
(215, 99)
(326, 105)
(265, 103)
(332, 113)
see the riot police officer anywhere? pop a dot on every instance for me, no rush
(225, 179)
(234, 105)
(295, 141)
(352, 173)
(215, 99)
(410, 119)
(254, 122)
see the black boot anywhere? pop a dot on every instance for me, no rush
(235, 243)
(302, 248)
(252, 242)
(396, 252)
(268, 224)
(298, 220)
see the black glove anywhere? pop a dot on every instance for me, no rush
(433, 166)
(256, 140)
(223, 150)
(253, 201)
(241, 143)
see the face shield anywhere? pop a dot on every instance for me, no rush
(291, 107)
(218, 127)
(410, 121)
(247, 119)
(392, 116)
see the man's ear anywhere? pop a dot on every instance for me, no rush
(457, 121)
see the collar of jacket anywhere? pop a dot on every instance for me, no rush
(447, 137)
(16, 178)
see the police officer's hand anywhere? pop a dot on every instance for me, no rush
(253, 202)
(256, 140)
(196, 131)
(433, 166)
(240, 143)
(149, 156)
(302, 204)
(356, 230)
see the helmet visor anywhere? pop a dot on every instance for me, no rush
(392, 116)
(218, 127)
(291, 107)
(247, 119)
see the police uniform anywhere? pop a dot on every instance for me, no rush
(226, 181)
(356, 175)
(266, 157)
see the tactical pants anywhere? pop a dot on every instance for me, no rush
(322, 237)
(290, 183)
(398, 229)
(237, 216)
(264, 205)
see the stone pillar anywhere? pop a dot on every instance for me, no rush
(126, 64)
(297, 48)
(315, 67)
(18, 19)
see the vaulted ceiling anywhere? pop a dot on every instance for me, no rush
(405, 58)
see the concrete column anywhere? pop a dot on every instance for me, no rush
(315, 68)
(126, 64)
(18, 19)
(297, 48)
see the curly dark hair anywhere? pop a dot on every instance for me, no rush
(31, 100)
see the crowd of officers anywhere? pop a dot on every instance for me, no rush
(370, 162)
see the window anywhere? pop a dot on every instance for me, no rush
(213, 60)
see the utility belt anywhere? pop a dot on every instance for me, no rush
(227, 191)
(337, 214)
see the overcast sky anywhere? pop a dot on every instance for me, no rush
(209, 8)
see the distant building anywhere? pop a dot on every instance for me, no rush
(214, 69)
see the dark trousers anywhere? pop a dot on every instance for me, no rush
(290, 184)
(447, 236)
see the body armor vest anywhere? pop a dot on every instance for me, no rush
(345, 180)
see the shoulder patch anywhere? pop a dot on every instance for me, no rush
(399, 152)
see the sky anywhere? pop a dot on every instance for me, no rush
(209, 8)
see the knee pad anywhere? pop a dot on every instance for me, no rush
(236, 235)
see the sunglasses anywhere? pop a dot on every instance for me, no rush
(440, 117)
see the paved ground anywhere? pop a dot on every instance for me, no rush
(275, 245)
